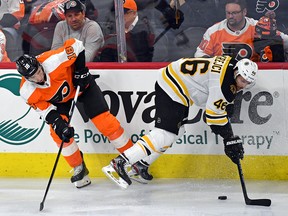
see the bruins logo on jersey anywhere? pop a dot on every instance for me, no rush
(233, 89)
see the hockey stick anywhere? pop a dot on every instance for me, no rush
(260, 202)
(162, 34)
(60, 148)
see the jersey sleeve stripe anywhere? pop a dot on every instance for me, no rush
(213, 118)
(173, 87)
(212, 113)
(183, 88)
(176, 84)
(221, 121)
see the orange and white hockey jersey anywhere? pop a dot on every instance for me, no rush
(220, 40)
(3, 54)
(58, 66)
(205, 82)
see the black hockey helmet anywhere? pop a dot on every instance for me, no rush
(27, 65)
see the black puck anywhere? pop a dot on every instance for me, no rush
(222, 197)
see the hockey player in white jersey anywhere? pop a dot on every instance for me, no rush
(211, 83)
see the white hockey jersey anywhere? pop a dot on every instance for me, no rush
(205, 82)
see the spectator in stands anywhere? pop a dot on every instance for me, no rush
(268, 43)
(233, 36)
(3, 54)
(139, 38)
(40, 18)
(11, 12)
(77, 25)
(171, 17)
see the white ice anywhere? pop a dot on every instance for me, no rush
(19, 197)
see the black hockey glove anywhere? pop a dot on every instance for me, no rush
(174, 19)
(82, 78)
(62, 129)
(60, 126)
(233, 147)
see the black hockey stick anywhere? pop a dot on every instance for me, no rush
(260, 202)
(60, 148)
(162, 34)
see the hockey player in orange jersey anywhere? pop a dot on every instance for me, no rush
(49, 85)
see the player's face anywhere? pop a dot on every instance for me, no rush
(241, 83)
(75, 19)
(235, 15)
(38, 77)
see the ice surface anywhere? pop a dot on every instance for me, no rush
(20, 197)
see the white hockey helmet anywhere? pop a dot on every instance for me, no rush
(247, 69)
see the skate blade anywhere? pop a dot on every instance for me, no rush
(135, 177)
(108, 171)
(83, 182)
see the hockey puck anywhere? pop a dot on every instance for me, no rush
(222, 197)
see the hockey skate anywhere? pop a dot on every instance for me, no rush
(118, 165)
(80, 177)
(139, 172)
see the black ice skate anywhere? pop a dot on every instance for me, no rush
(80, 177)
(139, 172)
(118, 165)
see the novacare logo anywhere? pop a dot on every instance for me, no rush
(15, 115)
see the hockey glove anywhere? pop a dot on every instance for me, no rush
(63, 130)
(233, 147)
(174, 19)
(82, 78)
(60, 126)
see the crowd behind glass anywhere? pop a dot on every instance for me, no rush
(169, 42)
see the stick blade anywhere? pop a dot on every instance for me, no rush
(41, 206)
(259, 202)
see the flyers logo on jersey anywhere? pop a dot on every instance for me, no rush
(237, 50)
(63, 91)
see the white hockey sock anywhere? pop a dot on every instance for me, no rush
(151, 158)
(153, 144)
(155, 155)
(135, 153)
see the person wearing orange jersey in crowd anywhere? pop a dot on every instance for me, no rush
(3, 54)
(233, 36)
(11, 12)
(49, 84)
